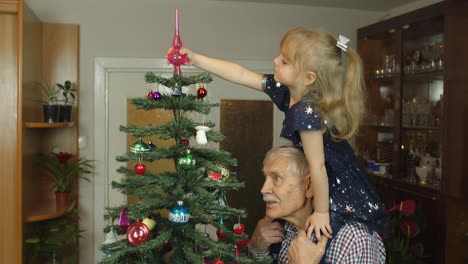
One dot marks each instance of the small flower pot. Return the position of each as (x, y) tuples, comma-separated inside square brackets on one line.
[(62, 198), (65, 113), (50, 113)]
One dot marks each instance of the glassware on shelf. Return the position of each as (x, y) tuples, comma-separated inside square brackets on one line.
[(438, 56), (388, 68)]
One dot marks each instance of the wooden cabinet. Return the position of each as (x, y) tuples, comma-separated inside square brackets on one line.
[(30, 51), (414, 141)]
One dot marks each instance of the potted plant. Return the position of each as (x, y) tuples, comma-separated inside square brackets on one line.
[(68, 91), (63, 168), (54, 241), (50, 108), (403, 244)]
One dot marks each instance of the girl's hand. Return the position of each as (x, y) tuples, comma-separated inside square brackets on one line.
[(182, 51), (320, 224)]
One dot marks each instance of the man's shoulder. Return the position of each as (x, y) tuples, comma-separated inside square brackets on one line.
[(356, 242)]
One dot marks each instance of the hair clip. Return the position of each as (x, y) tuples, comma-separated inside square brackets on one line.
[(341, 42)]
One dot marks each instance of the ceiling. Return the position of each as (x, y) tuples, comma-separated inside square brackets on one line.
[(370, 5)]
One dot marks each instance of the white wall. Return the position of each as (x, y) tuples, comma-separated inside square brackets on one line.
[(144, 28)]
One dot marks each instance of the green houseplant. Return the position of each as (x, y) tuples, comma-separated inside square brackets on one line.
[(403, 245), (53, 241), (63, 168), (68, 92), (50, 107)]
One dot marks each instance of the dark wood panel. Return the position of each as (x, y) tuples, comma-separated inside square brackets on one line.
[(248, 127)]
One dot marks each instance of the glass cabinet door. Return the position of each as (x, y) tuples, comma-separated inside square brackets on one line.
[(422, 99), (404, 72), (382, 68)]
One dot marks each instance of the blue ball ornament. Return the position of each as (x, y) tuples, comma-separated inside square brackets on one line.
[(179, 215)]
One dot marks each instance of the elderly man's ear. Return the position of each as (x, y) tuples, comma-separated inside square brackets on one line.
[(308, 184)]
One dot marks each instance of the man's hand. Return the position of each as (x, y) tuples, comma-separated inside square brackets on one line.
[(266, 233), (319, 222), (303, 251)]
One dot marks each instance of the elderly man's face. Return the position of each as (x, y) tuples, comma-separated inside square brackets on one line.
[(283, 192)]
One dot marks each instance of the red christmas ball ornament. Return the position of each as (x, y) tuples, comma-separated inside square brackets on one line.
[(218, 261), (201, 92), (137, 233), (220, 234), (140, 168), (184, 142), (238, 229), (242, 243), (167, 246), (150, 94)]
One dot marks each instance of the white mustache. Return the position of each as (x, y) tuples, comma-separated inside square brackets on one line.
[(270, 198)]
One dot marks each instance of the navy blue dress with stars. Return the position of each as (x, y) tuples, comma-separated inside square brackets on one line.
[(351, 196)]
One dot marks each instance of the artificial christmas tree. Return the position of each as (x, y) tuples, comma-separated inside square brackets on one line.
[(161, 226)]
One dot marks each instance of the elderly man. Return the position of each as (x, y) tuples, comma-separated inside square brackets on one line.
[(288, 194)]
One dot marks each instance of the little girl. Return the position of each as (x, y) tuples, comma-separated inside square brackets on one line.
[(318, 84)]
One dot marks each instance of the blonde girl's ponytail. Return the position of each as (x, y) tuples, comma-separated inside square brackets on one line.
[(354, 95)]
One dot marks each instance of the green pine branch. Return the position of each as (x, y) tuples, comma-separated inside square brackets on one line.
[(181, 81)]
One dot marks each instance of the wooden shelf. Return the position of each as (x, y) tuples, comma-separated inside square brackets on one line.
[(410, 187), (48, 125), (48, 210)]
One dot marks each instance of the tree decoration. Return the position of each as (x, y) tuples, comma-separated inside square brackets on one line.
[(174, 57), (179, 215), (220, 234), (156, 96), (201, 92), (124, 222), (242, 243), (187, 162), (140, 168), (184, 142), (150, 223), (204, 247), (167, 246), (215, 176), (139, 147), (238, 228), (151, 146), (237, 251), (111, 237), (150, 94), (201, 134), (222, 174), (177, 91), (137, 233)]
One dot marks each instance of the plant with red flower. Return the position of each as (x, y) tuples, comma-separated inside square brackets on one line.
[(63, 157), (407, 207), (63, 166), (407, 223), (411, 229)]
